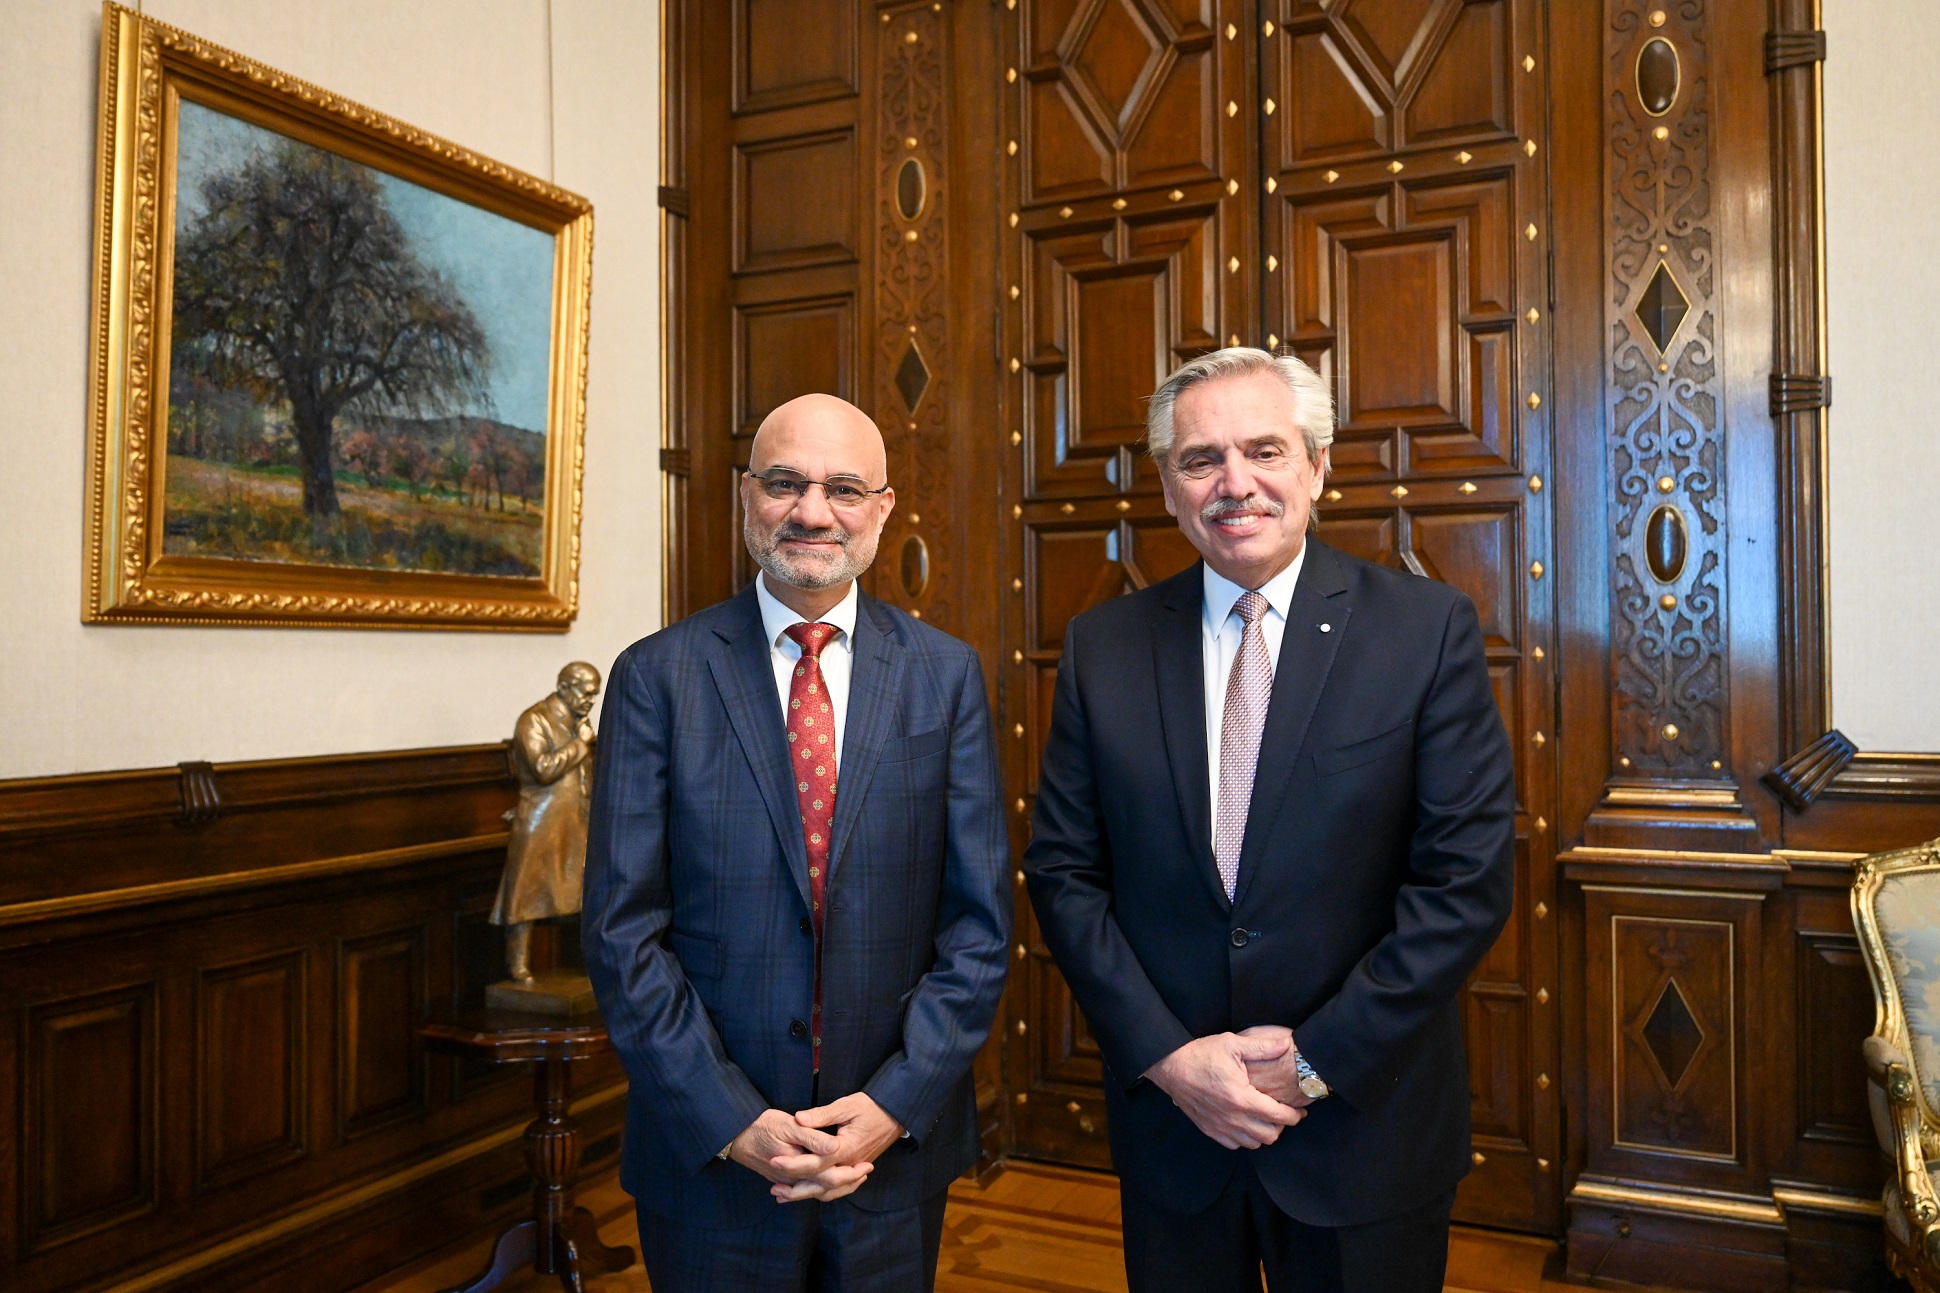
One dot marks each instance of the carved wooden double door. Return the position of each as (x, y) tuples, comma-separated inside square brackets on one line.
[(1102, 189), (1362, 183)]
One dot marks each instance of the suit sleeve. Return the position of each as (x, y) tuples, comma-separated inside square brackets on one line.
[(950, 1011), (1461, 881), (660, 1029), (1069, 869)]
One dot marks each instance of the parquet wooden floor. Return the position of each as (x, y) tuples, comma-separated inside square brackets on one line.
[(1044, 1229)]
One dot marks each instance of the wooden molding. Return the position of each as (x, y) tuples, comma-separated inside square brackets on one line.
[(81, 904), (201, 797), (1889, 776), (1800, 393), (1803, 777), (1671, 1201), (1833, 768), (1797, 383), (203, 791), (1789, 49)]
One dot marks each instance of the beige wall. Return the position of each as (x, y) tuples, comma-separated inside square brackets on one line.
[(567, 91), (1882, 116)]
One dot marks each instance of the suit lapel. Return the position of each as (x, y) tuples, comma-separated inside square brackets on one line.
[(745, 678), (875, 681), (1306, 657), (1178, 656)]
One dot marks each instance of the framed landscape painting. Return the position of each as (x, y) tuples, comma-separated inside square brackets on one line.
[(340, 364)]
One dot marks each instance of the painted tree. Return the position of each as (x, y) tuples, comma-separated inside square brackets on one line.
[(297, 283)]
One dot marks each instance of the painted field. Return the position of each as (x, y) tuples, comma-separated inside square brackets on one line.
[(217, 509)]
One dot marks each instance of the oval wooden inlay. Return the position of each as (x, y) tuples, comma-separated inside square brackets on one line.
[(1665, 543), (915, 566), (912, 188), (1658, 74)]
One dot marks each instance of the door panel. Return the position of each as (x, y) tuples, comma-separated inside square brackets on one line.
[(1406, 210), (1384, 240), (1113, 307), (1130, 183)]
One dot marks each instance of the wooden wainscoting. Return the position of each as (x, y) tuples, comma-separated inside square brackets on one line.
[(213, 977)]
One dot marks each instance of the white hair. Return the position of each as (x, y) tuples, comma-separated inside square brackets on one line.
[(1313, 403)]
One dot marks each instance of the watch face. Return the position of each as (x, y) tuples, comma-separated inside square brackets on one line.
[(1312, 1087)]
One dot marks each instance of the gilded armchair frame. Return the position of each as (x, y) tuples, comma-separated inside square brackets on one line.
[(1907, 1125)]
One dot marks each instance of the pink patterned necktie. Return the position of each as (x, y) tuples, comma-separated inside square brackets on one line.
[(811, 740), (1249, 688)]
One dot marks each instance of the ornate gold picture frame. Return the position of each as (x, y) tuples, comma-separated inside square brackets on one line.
[(339, 363)]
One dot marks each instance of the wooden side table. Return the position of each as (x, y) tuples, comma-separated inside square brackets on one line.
[(558, 1238)]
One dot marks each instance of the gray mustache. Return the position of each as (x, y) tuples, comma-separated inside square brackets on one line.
[(790, 530), (1220, 508)]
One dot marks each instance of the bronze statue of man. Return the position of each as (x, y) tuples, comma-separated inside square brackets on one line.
[(552, 755)]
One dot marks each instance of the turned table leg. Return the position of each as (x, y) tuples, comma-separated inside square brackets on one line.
[(552, 1155), (558, 1239)]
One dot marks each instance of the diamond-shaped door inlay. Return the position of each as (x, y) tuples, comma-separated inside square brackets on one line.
[(1116, 58), (1662, 307), (912, 376), (1672, 1033)]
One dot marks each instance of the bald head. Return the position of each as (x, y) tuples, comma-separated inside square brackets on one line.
[(579, 683), (823, 438), (815, 499)]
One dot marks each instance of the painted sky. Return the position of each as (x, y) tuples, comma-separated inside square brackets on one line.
[(502, 268)]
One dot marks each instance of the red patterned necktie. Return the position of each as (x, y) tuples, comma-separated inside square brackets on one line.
[(811, 742)]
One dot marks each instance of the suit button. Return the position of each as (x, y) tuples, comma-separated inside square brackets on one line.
[(1239, 938), (808, 926), (796, 1028)]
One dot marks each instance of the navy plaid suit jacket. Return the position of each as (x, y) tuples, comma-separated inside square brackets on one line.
[(695, 923)]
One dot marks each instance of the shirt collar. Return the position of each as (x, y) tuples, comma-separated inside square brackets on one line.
[(776, 617), (1222, 592)]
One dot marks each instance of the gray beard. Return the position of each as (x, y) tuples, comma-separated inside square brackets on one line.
[(858, 554)]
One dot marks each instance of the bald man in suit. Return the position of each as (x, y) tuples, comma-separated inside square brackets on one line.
[(796, 910)]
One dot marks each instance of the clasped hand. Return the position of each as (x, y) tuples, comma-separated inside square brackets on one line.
[(1241, 1089), (821, 1153)]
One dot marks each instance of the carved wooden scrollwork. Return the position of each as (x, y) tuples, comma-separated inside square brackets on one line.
[(912, 280), (1666, 443)]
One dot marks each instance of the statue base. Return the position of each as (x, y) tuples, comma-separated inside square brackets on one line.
[(553, 993)]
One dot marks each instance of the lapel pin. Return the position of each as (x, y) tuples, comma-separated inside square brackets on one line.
[(1327, 628)]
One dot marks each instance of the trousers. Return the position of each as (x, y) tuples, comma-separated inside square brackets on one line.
[(1244, 1235)]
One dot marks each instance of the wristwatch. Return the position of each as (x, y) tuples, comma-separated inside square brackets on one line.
[(1311, 1085)]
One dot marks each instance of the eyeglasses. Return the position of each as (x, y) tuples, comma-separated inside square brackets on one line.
[(839, 493)]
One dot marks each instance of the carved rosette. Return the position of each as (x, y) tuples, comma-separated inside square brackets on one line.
[(1666, 442), (911, 306)]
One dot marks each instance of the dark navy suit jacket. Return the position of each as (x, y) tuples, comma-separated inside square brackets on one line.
[(1377, 868), (696, 919)]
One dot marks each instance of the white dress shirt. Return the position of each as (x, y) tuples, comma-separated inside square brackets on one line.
[(1220, 633), (837, 658)]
